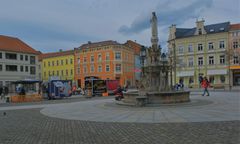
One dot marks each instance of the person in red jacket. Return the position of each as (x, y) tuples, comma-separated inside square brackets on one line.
[(205, 85)]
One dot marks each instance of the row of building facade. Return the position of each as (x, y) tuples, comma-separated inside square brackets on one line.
[(205, 50), (106, 60)]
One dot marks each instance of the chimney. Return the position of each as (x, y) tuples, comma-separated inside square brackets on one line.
[(172, 32)]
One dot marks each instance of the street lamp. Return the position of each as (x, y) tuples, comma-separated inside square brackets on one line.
[(142, 57)]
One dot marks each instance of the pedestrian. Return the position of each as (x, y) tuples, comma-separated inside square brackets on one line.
[(205, 84), (181, 84)]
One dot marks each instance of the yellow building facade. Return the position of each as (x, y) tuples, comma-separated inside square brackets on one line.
[(199, 51), (58, 64)]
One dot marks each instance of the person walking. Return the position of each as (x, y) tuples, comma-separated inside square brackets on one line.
[(205, 85)]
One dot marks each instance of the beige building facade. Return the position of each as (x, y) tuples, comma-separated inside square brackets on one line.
[(198, 52)]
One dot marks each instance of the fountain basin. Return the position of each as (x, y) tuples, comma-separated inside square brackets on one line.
[(167, 97)]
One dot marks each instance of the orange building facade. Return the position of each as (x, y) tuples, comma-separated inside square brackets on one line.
[(107, 60), (234, 53)]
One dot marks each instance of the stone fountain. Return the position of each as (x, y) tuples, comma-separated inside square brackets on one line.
[(154, 86)]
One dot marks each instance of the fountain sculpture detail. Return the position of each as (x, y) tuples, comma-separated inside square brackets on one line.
[(154, 84)]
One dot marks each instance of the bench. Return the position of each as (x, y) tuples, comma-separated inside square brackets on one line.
[(141, 100)]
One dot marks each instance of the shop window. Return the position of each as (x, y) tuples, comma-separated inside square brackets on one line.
[(222, 79), (211, 79)]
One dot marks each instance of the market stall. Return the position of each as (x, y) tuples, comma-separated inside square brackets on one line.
[(26, 91)]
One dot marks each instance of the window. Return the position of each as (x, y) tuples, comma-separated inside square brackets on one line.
[(200, 61), (32, 60), (61, 62), (99, 68), (44, 64), (222, 79), (26, 57), (0, 67), (180, 49), (62, 72), (78, 70), (11, 56), (26, 68), (221, 44), (222, 59), (210, 46), (71, 61), (107, 57), (92, 68), (53, 73), (235, 44), (118, 56), (71, 72), (190, 62), (99, 57), (52, 63), (211, 60), (107, 68), (211, 79), (66, 61), (32, 70), (190, 48), (78, 60), (92, 58), (66, 72), (21, 68), (85, 59), (48, 63), (85, 69), (118, 68), (199, 31), (0, 55), (200, 47), (12, 68), (235, 60), (49, 73), (191, 80), (57, 63), (21, 57)]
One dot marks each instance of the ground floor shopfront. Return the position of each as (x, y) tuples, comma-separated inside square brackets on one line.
[(217, 78), (235, 75)]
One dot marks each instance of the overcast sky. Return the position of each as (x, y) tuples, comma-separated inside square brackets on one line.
[(50, 25)]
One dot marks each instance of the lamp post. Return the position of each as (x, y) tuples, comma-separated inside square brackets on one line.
[(142, 57)]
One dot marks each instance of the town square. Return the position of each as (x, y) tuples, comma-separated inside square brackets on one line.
[(156, 73)]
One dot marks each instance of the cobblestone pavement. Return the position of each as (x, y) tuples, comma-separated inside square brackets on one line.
[(31, 127)]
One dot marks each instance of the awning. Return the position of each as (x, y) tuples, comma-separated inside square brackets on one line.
[(235, 67), (185, 73), (26, 81), (217, 72)]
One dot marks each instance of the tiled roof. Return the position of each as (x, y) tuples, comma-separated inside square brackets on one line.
[(55, 54), (135, 46), (214, 28), (235, 26), (15, 45), (98, 44)]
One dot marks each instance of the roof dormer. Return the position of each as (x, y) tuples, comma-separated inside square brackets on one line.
[(200, 27)]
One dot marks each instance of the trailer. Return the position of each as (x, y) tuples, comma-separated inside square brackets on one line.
[(59, 89)]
